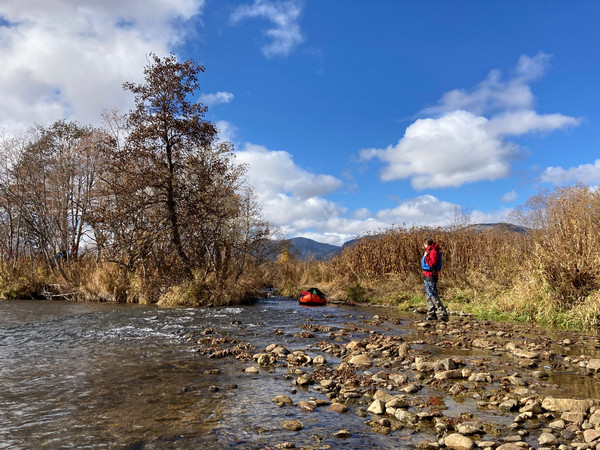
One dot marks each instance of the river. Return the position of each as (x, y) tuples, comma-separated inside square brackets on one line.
[(97, 375)]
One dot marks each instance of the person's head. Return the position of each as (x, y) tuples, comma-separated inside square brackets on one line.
[(427, 242)]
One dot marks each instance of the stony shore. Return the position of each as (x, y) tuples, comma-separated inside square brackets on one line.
[(396, 382)]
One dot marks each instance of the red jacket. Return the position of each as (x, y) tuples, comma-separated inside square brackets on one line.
[(432, 256)]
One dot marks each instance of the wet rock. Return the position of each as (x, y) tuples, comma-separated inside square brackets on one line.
[(411, 388), (304, 380), (398, 378), (509, 446), (265, 359), (214, 388), (338, 407), (539, 374), (457, 441), (251, 369), (282, 400), (566, 404), (319, 360), (342, 434), (532, 406), (306, 406), (327, 384), (292, 425), (516, 380), (285, 445), (397, 402), (448, 375), (509, 405), (481, 377), (547, 439), (469, 428), (427, 366), (383, 396), (360, 360), (377, 407), (457, 388)]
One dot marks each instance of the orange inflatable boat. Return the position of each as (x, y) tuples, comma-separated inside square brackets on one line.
[(312, 297)]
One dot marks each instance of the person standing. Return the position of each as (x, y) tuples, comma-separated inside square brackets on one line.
[(431, 263)]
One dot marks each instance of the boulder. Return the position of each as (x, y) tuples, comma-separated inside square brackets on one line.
[(566, 404), (591, 435), (360, 360), (547, 439), (377, 407), (283, 400), (457, 441), (338, 407)]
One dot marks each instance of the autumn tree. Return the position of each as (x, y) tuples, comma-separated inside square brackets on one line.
[(174, 199)]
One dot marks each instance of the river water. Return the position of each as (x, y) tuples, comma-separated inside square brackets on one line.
[(94, 375)]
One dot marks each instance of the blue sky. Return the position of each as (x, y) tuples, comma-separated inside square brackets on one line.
[(351, 116)]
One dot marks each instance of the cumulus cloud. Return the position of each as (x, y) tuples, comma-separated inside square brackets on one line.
[(216, 98), (284, 15), (465, 141), (294, 200), (69, 59), (509, 197), (584, 173)]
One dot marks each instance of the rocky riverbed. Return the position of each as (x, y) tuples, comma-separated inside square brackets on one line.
[(463, 384)]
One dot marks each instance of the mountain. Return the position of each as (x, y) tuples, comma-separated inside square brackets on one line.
[(308, 249)]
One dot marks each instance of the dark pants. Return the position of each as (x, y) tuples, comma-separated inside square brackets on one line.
[(435, 308)]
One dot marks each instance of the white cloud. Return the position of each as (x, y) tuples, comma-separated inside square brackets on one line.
[(293, 199), (509, 197), (69, 59), (216, 98), (461, 145), (284, 15), (584, 173), (450, 151)]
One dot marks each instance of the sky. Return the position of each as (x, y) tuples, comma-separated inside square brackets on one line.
[(351, 116)]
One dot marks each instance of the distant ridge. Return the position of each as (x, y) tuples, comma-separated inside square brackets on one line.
[(308, 249)]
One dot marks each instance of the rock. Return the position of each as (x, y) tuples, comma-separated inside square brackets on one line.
[(539, 374), (547, 439), (509, 405), (595, 418), (338, 407), (509, 446), (306, 406), (591, 435), (557, 424), (481, 377), (448, 364), (377, 407), (426, 366), (304, 380), (319, 360), (283, 400), (593, 366), (292, 425), (397, 402), (533, 407), (251, 369), (566, 404), (265, 359), (457, 389), (525, 354), (383, 396), (342, 434), (573, 416), (469, 428), (411, 388), (398, 378), (360, 360), (448, 374), (328, 384), (457, 441)]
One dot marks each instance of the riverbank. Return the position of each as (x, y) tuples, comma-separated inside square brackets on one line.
[(275, 374), (462, 384)]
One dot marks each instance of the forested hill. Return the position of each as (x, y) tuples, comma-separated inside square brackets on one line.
[(308, 249)]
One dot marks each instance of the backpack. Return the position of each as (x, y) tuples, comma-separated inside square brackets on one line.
[(437, 267)]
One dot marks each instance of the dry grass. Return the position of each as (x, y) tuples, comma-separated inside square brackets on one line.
[(550, 274)]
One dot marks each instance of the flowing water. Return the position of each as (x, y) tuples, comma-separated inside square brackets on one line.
[(87, 375)]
